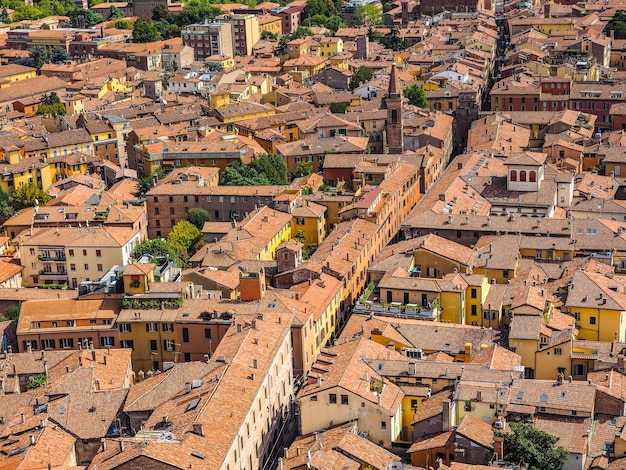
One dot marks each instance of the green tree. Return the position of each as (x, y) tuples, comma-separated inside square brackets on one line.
[(214, 67), (145, 31), (184, 237), (535, 447), (52, 98), (303, 169), (39, 56), (416, 96), (368, 15), (361, 75), (617, 24), (121, 24), (58, 55), (338, 108), (300, 236), (28, 195), (12, 312), (115, 13), (162, 13), (36, 381), (158, 248), (52, 110), (6, 209), (266, 170), (80, 18), (335, 22), (319, 7), (268, 35), (45, 26), (198, 216)]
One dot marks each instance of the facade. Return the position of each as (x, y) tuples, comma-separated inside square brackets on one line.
[(208, 39), (393, 102), (246, 31), (69, 256)]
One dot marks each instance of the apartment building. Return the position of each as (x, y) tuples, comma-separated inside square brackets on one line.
[(254, 366), (70, 255), (170, 200), (246, 32), (334, 396), (209, 39), (67, 324)]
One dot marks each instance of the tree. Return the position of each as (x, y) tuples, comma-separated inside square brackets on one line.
[(338, 108), (303, 169), (81, 18), (184, 237), (50, 99), (12, 312), (368, 15), (617, 24), (6, 210), (115, 13), (266, 170), (121, 24), (335, 22), (158, 248), (416, 96), (28, 195), (361, 75), (39, 55), (145, 31), (535, 447), (198, 217), (268, 35), (145, 183), (300, 236), (319, 7), (52, 110), (59, 55)]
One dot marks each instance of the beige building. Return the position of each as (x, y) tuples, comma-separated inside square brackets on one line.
[(344, 388), (70, 255), (245, 31)]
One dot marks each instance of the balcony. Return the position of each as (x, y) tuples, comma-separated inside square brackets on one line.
[(51, 257), (396, 309), (53, 274)]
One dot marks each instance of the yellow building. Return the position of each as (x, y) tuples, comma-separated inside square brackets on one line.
[(271, 24), (137, 277), (151, 335), (9, 74), (330, 46), (310, 218), (598, 304)]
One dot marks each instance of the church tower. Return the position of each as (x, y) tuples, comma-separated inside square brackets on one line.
[(393, 103)]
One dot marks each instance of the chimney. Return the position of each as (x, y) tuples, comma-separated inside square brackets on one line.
[(498, 447), (445, 416), (198, 429), (32, 439), (93, 353)]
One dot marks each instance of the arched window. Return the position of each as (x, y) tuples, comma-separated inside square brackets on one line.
[(532, 176), (513, 175), (394, 116), (522, 175)]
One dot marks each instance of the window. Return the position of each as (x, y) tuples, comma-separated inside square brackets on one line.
[(344, 399), (383, 425), (151, 327), (99, 266), (106, 321), (168, 327), (71, 252), (532, 176), (67, 343), (84, 252), (153, 345), (86, 267), (314, 398), (522, 175), (99, 253), (474, 293), (592, 320), (47, 344), (505, 273), (185, 335), (577, 316), (54, 324), (72, 267), (70, 323), (168, 344), (513, 175), (107, 341), (332, 397), (474, 310), (558, 351), (207, 333), (299, 220), (125, 327)]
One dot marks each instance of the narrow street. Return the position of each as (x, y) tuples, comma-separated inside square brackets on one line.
[(502, 45)]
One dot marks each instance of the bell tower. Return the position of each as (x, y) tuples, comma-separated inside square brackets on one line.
[(393, 103)]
